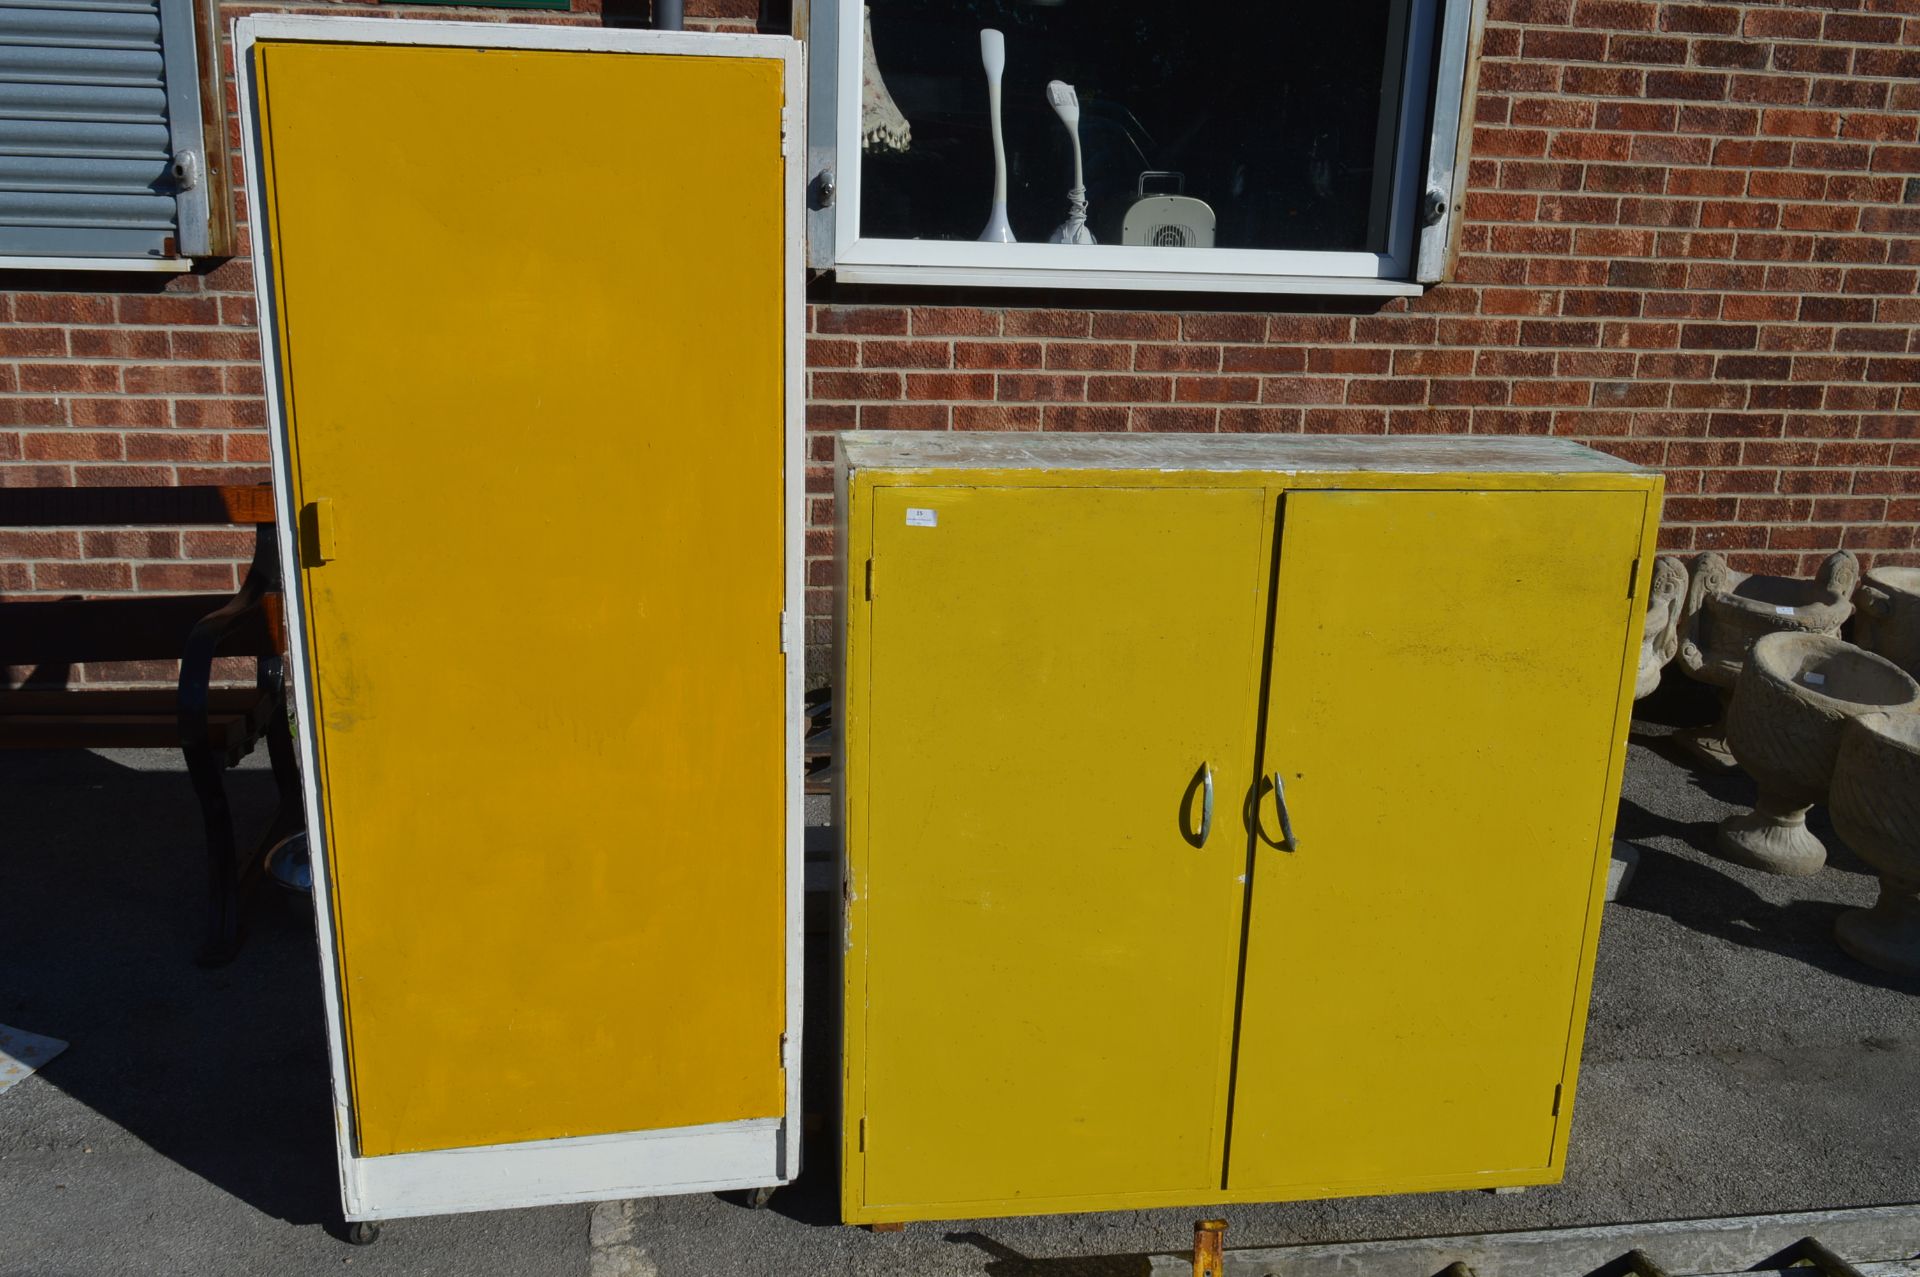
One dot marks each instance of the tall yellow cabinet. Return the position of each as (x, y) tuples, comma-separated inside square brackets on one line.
[(1225, 819), (532, 302)]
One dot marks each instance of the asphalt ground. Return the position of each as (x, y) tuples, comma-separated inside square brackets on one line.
[(1737, 1062)]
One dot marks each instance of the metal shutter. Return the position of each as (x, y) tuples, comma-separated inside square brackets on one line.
[(100, 137)]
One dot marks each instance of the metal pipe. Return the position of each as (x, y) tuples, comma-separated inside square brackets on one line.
[(669, 15), (1209, 1243)]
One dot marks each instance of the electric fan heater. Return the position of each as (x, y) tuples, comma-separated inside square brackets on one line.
[(1167, 221)]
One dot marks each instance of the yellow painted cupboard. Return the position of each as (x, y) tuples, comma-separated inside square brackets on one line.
[(1225, 819), (536, 447)]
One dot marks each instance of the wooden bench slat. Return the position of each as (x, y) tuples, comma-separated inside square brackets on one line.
[(202, 505), (51, 718), (121, 702), (223, 734), (34, 632)]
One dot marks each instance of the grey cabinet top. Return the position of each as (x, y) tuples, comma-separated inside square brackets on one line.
[(1393, 454)]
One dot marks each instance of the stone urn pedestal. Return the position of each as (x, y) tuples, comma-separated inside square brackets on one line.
[(1875, 801), (1886, 615), (1726, 612), (1793, 698)]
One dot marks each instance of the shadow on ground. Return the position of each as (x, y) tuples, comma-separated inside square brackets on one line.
[(100, 912), (1005, 1261), (1711, 901)]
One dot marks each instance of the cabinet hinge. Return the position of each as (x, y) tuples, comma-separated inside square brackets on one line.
[(1556, 1101), (1633, 577), (863, 1135), (869, 580)]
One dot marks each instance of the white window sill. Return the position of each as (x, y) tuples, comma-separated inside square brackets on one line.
[(1135, 280), (169, 265), (1123, 267)]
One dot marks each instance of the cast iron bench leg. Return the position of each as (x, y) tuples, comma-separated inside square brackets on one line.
[(223, 880)]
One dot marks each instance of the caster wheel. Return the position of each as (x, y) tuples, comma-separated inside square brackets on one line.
[(363, 1233), (759, 1197)]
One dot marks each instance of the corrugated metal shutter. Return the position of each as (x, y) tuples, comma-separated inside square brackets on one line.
[(98, 99)]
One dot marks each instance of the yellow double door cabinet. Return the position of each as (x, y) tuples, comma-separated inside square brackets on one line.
[(1225, 819)]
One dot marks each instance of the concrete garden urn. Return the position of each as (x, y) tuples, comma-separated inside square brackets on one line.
[(1886, 615), (1726, 611), (1660, 632), (1659, 640), (1795, 694), (1875, 800)]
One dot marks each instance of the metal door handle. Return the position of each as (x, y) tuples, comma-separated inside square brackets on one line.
[(1206, 802), (1287, 841)]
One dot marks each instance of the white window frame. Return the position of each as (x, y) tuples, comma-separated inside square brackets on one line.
[(1421, 225)]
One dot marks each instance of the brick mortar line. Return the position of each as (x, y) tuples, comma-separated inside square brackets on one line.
[(1574, 27), (1900, 175), (1769, 72), (1796, 325), (1757, 105), (1477, 254), (143, 563), (1471, 374), (1776, 326), (1887, 464), (1335, 374), (1547, 192)]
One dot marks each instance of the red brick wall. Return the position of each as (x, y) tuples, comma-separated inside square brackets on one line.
[(1692, 238)]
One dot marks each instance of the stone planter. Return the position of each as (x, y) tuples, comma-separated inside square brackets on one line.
[(1886, 615), (1659, 640), (1660, 632), (1727, 611), (1794, 696), (1876, 807)]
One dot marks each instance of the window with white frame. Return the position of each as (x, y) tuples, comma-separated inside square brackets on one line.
[(1188, 144)]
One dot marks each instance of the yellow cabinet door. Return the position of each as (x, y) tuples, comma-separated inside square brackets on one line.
[(1446, 702), (1041, 945), (531, 324)]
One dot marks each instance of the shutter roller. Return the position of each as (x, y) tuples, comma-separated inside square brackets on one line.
[(100, 135)]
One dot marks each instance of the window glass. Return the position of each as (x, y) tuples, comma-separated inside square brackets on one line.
[(1201, 122)]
